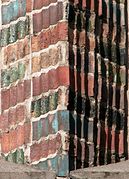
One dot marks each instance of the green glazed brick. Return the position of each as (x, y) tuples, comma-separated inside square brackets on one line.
[(11, 157), (53, 101), (13, 74), (5, 78), (21, 70), (20, 156), (27, 24), (42, 165), (44, 104), (12, 33), (4, 37), (21, 29), (37, 108), (39, 131)]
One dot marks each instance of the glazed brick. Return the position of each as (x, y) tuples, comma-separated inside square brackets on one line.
[(54, 163), (7, 37), (52, 80), (13, 10), (79, 83), (36, 86), (27, 89), (36, 66), (28, 5), (51, 124), (11, 141), (17, 156), (12, 117), (5, 99), (20, 113), (44, 104), (20, 93), (50, 36), (4, 121), (47, 58), (13, 96), (47, 17), (38, 4), (44, 82), (13, 74), (16, 51), (10, 54), (45, 147), (63, 73)]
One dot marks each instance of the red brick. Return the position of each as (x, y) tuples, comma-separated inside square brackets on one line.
[(36, 64), (63, 73), (27, 89), (40, 150), (5, 99), (35, 42), (90, 85), (45, 39), (28, 5), (53, 11), (50, 36), (37, 22), (13, 139), (13, 96), (46, 18), (54, 56), (4, 121), (63, 31), (45, 60), (27, 131), (54, 144), (44, 82), (36, 86), (39, 3), (20, 113), (53, 79), (20, 136), (10, 54), (20, 92), (23, 48), (5, 143), (45, 147), (12, 116)]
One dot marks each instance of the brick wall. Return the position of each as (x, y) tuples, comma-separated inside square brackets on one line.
[(34, 83), (47, 46), (98, 100)]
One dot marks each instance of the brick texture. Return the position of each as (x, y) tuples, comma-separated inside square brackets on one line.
[(34, 82), (63, 70)]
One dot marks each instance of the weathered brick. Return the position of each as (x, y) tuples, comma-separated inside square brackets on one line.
[(36, 86), (5, 99), (45, 147), (20, 92), (13, 96), (12, 117), (4, 121), (27, 89), (36, 64), (20, 113)]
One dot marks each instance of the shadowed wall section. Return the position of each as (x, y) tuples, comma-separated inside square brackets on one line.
[(98, 60)]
